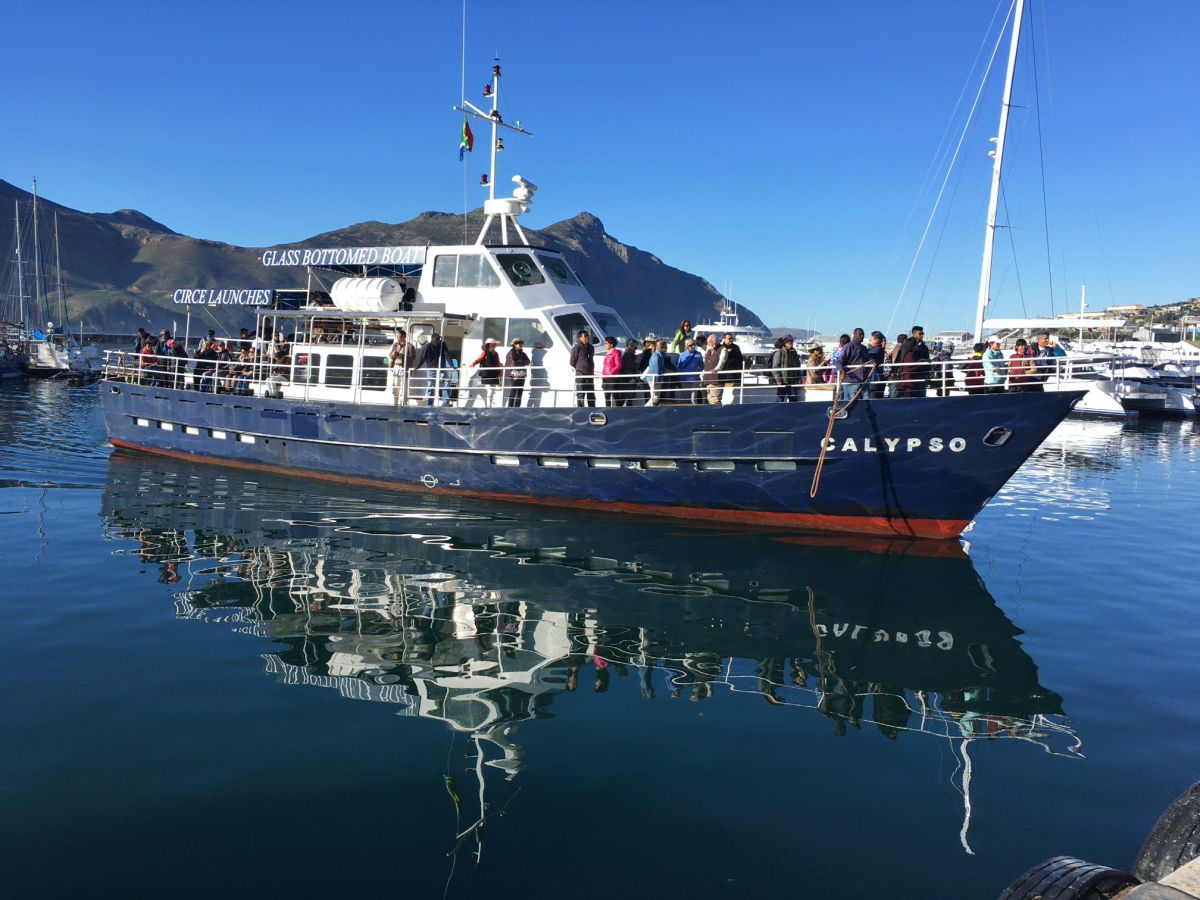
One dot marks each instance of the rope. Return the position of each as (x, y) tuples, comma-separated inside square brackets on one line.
[(833, 415)]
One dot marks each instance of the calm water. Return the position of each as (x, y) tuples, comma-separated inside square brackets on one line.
[(223, 684)]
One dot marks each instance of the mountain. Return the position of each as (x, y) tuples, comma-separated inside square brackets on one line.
[(121, 268)]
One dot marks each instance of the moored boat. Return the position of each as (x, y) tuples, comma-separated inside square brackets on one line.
[(332, 392)]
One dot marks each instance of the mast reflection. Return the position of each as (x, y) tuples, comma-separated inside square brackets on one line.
[(485, 616)]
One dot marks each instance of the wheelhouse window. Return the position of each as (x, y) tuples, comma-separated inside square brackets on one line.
[(557, 269), (374, 373), (520, 269), (464, 270), (338, 369)]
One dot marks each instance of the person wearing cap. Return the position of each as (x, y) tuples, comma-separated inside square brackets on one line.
[(433, 371), (583, 361), (995, 369), (516, 370), (487, 373), (690, 364), (785, 370)]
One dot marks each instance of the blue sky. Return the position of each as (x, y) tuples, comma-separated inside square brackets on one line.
[(789, 150)]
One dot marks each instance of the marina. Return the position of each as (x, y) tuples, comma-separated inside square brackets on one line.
[(346, 555)]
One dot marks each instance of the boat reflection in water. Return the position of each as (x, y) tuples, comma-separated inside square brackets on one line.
[(484, 616)]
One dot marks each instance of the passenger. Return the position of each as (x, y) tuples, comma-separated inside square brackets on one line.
[(876, 357), (245, 370), (224, 374), (614, 394), (179, 358), (432, 372), (913, 363), (835, 357), (785, 369), (655, 372), (242, 341), (729, 369), (771, 363), (892, 374), (487, 372), (854, 367), (974, 370), (402, 358), (630, 383), (1022, 368), (682, 336), (690, 365), (711, 379), (644, 361), (147, 363), (583, 361), (206, 356), (994, 368), (816, 359), (1046, 354), (941, 376), (516, 370), (139, 340), (281, 354)]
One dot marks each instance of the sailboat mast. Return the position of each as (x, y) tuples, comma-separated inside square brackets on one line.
[(37, 259), (20, 267), (62, 290), (989, 240)]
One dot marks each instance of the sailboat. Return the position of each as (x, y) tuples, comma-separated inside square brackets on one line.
[(44, 350)]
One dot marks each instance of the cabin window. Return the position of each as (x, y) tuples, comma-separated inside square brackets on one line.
[(570, 324), (612, 325), (532, 331), (557, 269), (374, 373), (464, 270), (338, 369), (520, 269), (305, 368)]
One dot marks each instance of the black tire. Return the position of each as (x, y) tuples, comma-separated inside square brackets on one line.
[(1174, 840), (1068, 878)]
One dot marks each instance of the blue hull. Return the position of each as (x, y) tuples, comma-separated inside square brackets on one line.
[(917, 467)]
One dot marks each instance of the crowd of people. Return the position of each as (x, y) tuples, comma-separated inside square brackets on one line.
[(218, 366), (689, 369)]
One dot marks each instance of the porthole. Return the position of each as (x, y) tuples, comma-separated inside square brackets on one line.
[(191, 429), (143, 423), (998, 436), (659, 464), (553, 462), (600, 463), (216, 433), (506, 460), (716, 465), (598, 418), (166, 426)]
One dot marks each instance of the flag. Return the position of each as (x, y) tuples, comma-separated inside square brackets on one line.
[(467, 144)]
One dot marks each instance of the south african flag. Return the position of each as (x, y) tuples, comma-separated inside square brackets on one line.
[(467, 143)]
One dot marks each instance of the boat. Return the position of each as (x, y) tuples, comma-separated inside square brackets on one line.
[(755, 341), (43, 350), (323, 400)]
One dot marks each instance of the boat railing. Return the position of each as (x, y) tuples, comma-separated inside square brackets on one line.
[(546, 386)]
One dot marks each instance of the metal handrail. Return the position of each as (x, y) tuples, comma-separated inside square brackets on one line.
[(462, 386)]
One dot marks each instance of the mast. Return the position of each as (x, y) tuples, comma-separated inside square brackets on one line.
[(62, 290), (20, 269), (985, 275), (506, 208), (38, 286)]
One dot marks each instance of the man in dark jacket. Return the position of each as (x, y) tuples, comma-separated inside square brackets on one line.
[(432, 371), (729, 369), (583, 361), (712, 359), (785, 370), (853, 366), (913, 373)]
